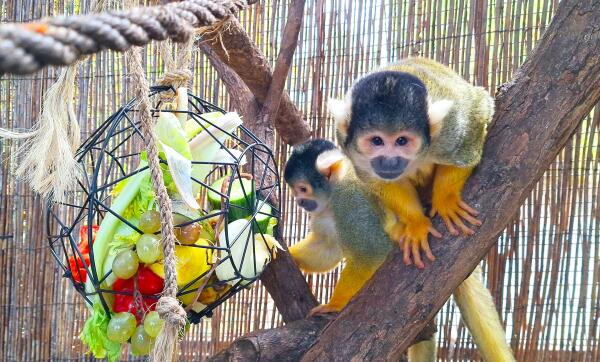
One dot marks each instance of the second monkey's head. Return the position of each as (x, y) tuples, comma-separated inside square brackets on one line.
[(310, 171), (386, 122)]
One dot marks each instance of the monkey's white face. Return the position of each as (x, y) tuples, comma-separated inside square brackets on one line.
[(307, 199), (386, 156)]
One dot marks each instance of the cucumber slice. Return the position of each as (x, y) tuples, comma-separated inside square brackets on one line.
[(242, 194), (263, 216)]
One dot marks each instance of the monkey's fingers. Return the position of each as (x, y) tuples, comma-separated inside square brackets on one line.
[(434, 232), (456, 220), (416, 250), (449, 224), (468, 208), (405, 245), (427, 250), (472, 220)]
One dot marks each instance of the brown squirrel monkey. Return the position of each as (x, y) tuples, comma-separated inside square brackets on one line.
[(415, 124), (347, 222)]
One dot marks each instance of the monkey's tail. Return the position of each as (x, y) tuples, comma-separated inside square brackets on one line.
[(481, 317), (425, 351)]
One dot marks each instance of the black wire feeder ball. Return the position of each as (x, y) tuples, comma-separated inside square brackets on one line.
[(222, 243)]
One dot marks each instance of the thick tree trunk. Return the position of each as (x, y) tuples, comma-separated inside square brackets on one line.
[(536, 114)]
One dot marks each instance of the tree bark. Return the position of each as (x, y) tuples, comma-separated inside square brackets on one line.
[(287, 343), (289, 42), (536, 114), (235, 48)]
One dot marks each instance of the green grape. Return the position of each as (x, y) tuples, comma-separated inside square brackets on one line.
[(148, 248), (189, 234), (125, 264), (120, 327), (150, 222), (141, 342), (153, 324)]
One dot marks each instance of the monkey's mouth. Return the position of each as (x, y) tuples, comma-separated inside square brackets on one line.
[(388, 175)]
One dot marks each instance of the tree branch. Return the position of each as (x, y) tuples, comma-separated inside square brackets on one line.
[(536, 114), (234, 47), (287, 343), (289, 43), (282, 278)]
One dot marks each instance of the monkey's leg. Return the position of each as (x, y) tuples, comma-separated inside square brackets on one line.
[(352, 278), (481, 318), (413, 227), (424, 351), (446, 200), (316, 255)]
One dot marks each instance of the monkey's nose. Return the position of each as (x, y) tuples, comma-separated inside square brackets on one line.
[(388, 167), (308, 205)]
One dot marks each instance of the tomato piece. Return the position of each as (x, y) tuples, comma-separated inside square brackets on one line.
[(148, 282)]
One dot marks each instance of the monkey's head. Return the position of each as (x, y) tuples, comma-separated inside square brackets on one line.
[(386, 123), (310, 171)]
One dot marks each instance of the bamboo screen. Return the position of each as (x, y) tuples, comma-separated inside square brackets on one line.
[(544, 273)]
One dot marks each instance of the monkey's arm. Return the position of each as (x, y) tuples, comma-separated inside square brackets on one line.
[(316, 253), (413, 227), (352, 278), (446, 200)]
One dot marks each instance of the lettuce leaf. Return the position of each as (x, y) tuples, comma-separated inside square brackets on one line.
[(142, 202), (94, 335)]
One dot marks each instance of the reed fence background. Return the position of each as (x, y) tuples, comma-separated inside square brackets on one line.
[(544, 273)]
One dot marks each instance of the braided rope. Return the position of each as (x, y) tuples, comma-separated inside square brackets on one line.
[(26, 48), (168, 306)]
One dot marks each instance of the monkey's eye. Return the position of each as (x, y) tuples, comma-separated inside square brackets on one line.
[(377, 141), (401, 141)]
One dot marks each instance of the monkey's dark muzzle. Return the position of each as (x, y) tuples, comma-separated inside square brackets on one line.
[(388, 167), (308, 205)]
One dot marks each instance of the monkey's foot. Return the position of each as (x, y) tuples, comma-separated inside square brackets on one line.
[(323, 309), (414, 238), (453, 210)]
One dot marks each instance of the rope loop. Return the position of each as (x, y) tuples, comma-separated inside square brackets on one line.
[(171, 311)]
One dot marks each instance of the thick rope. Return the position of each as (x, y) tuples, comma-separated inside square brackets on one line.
[(46, 158), (26, 48), (168, 306)]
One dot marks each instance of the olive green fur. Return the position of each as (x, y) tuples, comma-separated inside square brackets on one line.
[(358, 219), (467, 119)]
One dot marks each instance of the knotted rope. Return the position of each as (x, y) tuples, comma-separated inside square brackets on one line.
[(26, 48), (168, 306)]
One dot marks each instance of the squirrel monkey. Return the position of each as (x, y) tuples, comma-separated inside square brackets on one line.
[(415, 124), (347, 222), (317, 175)]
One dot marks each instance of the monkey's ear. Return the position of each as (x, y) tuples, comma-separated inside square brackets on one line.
[(332, 165), (340, 110), (437, 111)]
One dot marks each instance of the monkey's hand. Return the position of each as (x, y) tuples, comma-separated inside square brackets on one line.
[(453, 210), (447, 202), (324, 309), (413, 237)]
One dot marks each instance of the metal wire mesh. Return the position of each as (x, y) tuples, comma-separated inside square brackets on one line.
[(108, 159)]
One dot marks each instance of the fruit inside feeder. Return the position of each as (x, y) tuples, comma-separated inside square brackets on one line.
[(127, 244)]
